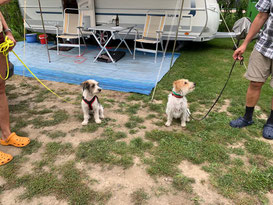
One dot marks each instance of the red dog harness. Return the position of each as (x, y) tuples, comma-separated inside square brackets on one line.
[(90, 103)]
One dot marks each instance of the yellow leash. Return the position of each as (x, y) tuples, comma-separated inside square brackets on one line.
[(4, 49)]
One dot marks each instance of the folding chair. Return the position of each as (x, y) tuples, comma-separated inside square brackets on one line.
[(152, 33), (72, 30)]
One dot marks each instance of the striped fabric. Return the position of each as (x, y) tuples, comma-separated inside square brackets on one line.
[(152, 25), (265, 43)]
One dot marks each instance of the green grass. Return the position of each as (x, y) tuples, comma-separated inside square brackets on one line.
[(105, 151), (32, 147), (238, 162), (134, 122), (70, 186), (57, 117), (181, 182), (53, 149), (258, 147), (56, 134), (139, 197), (93, 127)]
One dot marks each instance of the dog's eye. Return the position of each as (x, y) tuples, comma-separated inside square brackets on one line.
[(93, 85), (185, 83)]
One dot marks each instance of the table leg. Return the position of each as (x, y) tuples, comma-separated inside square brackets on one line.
[(122, 40), (103, 48)]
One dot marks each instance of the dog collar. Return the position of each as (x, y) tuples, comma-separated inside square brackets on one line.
[(89, 103), (176, 95)]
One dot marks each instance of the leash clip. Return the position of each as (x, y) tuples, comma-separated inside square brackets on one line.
[(242, 61)]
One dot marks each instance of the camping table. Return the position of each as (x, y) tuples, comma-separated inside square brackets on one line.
[(114, 30)]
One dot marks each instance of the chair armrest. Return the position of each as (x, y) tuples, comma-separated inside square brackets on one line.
[(80, 27), (57, 29), (159, 31), (136, 33)]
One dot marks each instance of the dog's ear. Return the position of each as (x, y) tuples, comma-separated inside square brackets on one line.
[(85, 85), (176, 85)]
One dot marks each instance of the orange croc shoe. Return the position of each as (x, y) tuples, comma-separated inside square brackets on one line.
[(15, 140), (5, 158)]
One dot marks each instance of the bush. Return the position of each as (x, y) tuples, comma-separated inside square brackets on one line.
[(232, 10), (13, 17)]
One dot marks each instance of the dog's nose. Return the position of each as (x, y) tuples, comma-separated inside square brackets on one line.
[(194, 84), (99, 89)]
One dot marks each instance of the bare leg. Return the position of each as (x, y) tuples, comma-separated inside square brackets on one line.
[(253, 93), (4, 110)]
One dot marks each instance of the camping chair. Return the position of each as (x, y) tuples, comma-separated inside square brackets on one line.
[(152, 33), (72, 30)]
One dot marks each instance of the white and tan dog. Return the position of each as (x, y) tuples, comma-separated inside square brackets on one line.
[(90, 102), (177, 106)]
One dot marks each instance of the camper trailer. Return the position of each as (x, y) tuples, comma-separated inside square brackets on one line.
[(199, 20)]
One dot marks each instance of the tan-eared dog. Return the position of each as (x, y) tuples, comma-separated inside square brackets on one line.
[(177, 106)]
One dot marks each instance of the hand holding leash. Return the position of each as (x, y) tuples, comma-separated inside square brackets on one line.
[(5, 47), (10, 37), (237, 55)]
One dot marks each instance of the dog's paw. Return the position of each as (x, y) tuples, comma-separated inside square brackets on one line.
[(84, 122), (102, 116), (183, 124), (98, 121), (188, 119), (167, 124)]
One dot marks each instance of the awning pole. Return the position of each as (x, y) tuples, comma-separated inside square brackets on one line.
[(166, 47), (176, 35), (44, 31), (25, 10)]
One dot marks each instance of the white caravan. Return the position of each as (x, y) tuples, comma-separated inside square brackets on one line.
[(199, 22)]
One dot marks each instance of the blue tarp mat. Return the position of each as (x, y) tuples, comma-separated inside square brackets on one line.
[(127, 75)]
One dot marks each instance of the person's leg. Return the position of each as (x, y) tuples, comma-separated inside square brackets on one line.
[(268, 127), (259, 69), (253, 93), (4, 110), (252, 97), (8, 138), (270, 118)]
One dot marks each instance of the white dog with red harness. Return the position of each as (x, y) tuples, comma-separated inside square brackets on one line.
[(90, 102)]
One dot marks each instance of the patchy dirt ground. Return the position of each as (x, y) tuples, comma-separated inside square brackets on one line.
[(120, 182)]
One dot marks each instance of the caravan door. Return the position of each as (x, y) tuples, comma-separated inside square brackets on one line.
[(87, 7)]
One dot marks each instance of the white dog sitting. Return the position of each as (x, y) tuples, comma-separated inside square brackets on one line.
[(90, 102), (177, 106)]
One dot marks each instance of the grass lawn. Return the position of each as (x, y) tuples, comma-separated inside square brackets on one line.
[(132, 158)]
